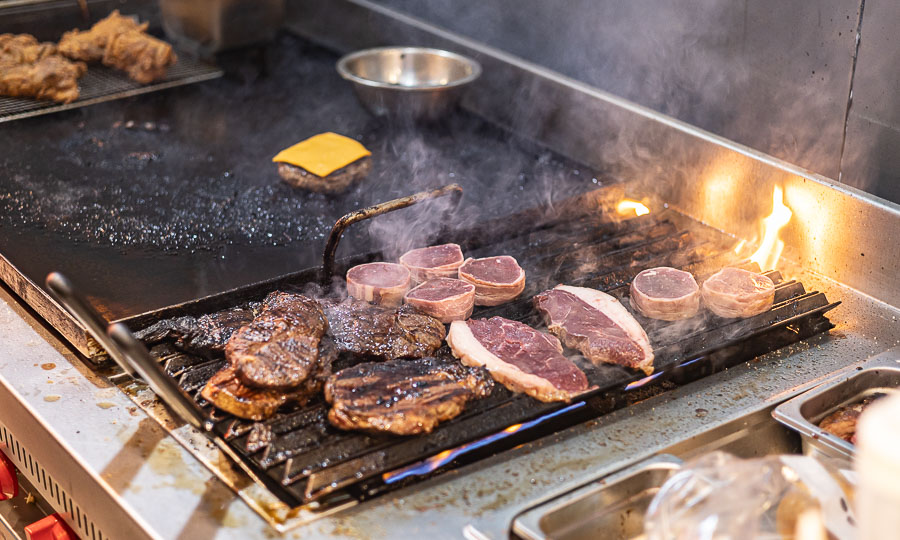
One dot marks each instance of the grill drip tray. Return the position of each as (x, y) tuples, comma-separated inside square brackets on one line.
[(309, 463), (101, 83)]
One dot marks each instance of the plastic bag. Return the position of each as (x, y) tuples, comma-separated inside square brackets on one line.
[(719, 496)]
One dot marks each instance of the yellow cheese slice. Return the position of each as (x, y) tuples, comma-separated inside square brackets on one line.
[(323, 154)]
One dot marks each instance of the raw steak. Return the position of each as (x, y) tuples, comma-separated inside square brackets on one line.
[(383, 333), (433, 262), (596, 324), (445, 299), (280, 347), (734, 293), (665, 293), (380, 283), (518, 357), (497, 280), (404, 397)]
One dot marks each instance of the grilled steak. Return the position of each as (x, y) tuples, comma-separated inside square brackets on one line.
[(497, 280), (665, 293), (380, 283), (596, 324), (204, 335), (280, 347), (226, 391), (733, 293), (433, 262), (518, 357), (404, 397), (445, 299), (383, 333)]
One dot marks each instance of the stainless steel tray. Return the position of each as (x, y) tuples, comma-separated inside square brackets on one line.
[(804, 412), (612, 507)]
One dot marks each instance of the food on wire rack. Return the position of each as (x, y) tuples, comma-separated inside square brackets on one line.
[(32, 69)]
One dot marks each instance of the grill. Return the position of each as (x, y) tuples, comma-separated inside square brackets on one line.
[(303, 459), (101, 84)]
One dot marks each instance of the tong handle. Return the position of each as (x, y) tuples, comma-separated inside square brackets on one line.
[(365, 213), (61, 289), (160, 381)]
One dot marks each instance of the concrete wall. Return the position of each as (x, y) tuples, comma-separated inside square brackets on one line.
[(770, 74)]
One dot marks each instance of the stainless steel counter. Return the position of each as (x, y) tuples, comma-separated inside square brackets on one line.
[(130, 478)]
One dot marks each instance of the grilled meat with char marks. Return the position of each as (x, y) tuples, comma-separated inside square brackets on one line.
[(206, 335), (226, 391), (280, 347), (383, 333), (404, 397)]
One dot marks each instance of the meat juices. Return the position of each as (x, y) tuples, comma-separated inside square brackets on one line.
[(733, 293), (404, 397), (497, 280), (665, 293), (433, 262), (596, 324), (445, 299), (280, 347), (518, 357), (380, 283)]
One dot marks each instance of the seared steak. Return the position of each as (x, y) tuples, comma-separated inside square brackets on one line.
[(734, 292), (433, 262), (280, 347), (381, 283), (518, 357), (445, 299), (404, 397), (203, 335), (497, 280), (383, 333), (226, 391), (596, 324), (665, 293)]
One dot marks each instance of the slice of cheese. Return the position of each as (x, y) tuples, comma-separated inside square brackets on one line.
[(323, 154)]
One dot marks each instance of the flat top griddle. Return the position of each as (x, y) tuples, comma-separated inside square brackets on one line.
[(163, 198)]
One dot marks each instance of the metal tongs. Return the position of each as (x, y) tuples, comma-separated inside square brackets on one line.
[(129, 353)]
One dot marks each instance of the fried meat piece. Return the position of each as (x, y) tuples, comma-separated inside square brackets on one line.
[(120, 42), (23, 49), (52, 77)]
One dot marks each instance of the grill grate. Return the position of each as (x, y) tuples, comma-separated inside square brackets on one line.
[(101, 83), (309, 460)]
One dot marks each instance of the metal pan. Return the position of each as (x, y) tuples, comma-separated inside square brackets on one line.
[(804, 412), (611, 507)]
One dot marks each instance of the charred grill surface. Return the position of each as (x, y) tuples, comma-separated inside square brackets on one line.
[(280, 347), (404, 397), (376, 332), (307, 458)]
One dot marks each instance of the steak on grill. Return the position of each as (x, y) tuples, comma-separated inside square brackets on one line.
[(433, 262), (226, 391), (518, 357), (404, 397), (382, 333), (734, 292), (497, 280), (665, 293), (280, 347), (204, 335), (380, 283), (596, 324), (445, 299)]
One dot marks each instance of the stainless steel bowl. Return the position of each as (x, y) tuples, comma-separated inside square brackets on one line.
[(408, 82)]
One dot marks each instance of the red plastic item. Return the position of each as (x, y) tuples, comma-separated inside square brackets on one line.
[(51, 527), (9, 484)]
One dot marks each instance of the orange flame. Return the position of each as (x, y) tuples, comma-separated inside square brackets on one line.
[(770, 249), (627, 206)]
